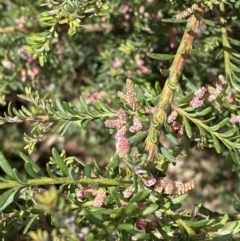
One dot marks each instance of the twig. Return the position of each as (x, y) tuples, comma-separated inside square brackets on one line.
[(167, 94)]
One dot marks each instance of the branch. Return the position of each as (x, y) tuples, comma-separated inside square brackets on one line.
[(97, 27), (102, 182), (166, 97)]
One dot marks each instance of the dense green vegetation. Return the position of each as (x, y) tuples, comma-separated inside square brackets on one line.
[(100, 100)]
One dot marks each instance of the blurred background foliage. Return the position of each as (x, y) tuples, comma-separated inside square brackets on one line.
[(95, 62)]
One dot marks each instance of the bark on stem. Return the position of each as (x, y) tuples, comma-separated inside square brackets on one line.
[(175, 71)]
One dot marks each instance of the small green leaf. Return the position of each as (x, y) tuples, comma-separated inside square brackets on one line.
[(138, 137), (173, 20), (59, 162), (34, 166), (196, 224), (206, 121), (113, 167), (18, 177), (9, 197), (234, 41), (125, 226), (65, 127), (28, 48), (205, 111), (5, 166), (216, 144), (209, 22), (59, 106), (27, 112), (85, 123), (188, 128), (148, 210), (213, 128), (50, 173), (230, 132), (161, 56), (115, 102), (68, 108), (234, 59), (115, 197), (234, 68), (29, 223), (131, 207), (41, 60), (167, 154), (94, 218), (223, 122), (72, 174), (179, 199), (83, 104), (29, 170), (139, 235), (140, 196), (87, 170), (172, 139), (185, 99), (58, 124), (140, 94), (222, 237), (189, 109), (104, 106)]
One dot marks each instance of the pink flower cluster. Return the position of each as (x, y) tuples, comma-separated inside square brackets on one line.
[(150, 222), (20, 21), (176, 127), (235, 119), (99, 195), (122, 143), (215, 91), (93, 97), (211, 93), (33, 69), (137, 125), (197, 101), (229, 99), (142, 68), (172, 117)]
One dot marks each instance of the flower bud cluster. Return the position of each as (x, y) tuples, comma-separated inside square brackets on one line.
[(131, 96), (235, 119), (176, 127), (172, 117), (99, 198), (211, 93), (175, 189), (197, 101), (137, 125), (99, 195), (81, 193), (229, 99), (150, 222), (122, 143), (214, 92)]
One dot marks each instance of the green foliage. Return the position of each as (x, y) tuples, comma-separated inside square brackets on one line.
[(125, 68)]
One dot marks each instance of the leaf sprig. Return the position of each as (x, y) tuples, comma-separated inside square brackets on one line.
[(71, 13), (45, 115)]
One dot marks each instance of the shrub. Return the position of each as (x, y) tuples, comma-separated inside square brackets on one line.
[(88, 72)]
